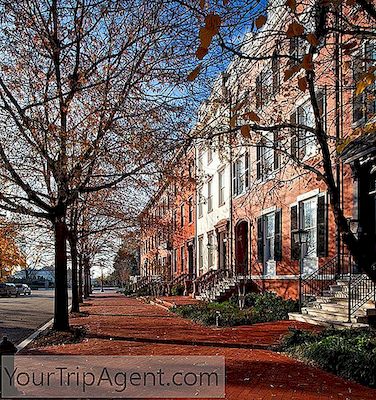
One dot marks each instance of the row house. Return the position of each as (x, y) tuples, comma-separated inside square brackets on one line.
[(251, 194)]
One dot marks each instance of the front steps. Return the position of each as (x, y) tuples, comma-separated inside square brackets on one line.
[(221, 290), (331, 309)]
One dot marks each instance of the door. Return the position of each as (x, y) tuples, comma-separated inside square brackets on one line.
[(308, 222), (222, 250), (190, 259), (241, 248)]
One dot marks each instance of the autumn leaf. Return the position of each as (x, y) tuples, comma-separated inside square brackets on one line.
[(252, 116), (233, 121), (194, 74), (260, 21), (245, 130), (294, 29), (291, 4), (206, 37), (342, 144), (201, 52), (307, 63), (303, 84), (312, 40), (213, 23), (366, 80), (239, 106), (225, 2), (202, 4), (290, 72)]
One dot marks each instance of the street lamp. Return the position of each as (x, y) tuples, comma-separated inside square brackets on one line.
[(102, 279), (300, 237)]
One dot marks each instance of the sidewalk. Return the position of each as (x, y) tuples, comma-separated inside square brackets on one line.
[(121, 326)]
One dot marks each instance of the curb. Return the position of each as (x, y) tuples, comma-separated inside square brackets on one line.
[(35, 334)]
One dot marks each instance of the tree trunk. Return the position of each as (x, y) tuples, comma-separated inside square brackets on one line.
[(86, 277), (61, 321), (74, 256), (80, 281)]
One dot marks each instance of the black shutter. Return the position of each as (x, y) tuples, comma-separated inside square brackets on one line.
[(278, 236), (321, 98), (301, 133), (293, 134), (276, 152), (258, 160), (260, 239), (322, 227), (294, 228)]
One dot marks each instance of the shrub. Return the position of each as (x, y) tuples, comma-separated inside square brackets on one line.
[(177, 290), (349, 353), (259, 308)]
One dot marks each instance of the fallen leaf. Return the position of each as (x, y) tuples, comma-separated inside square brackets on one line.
[(290, 72), (291, 4), (202, 4), (260, 21), (201, 52), (303, 84), (194, 74), (245, 130), (252, 116), (225, 2), (312, 40), (213, 23), (294, 29)]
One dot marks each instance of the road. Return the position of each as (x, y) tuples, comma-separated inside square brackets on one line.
[(19, 317)]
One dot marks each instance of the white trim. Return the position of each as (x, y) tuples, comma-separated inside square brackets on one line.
[(307, 195), (275, 277), (269, 210)]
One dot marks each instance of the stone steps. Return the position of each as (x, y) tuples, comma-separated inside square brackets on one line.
[(327, 323)]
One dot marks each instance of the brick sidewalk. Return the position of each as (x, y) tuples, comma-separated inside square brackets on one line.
[(121, 326)]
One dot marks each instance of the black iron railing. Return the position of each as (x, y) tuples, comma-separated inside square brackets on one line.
[(207, 281), (316, 283), (361, 290)]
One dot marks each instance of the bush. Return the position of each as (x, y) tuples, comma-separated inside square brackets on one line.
[(177, 290), (259, 308), (349, 353)]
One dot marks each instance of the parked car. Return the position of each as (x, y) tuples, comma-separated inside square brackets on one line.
[(8, 289), (23, 289)]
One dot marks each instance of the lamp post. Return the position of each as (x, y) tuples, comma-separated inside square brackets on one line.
[(301, 237), (102, 279)]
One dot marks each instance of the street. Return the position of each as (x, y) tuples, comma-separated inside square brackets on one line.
[(19, 317)]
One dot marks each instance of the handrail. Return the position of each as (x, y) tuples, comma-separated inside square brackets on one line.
[(361, 290), (208, 280), (317, 282)]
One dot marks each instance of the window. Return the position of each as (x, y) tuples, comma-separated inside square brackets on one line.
[(174, 224), (221, 187), (269, 238), (303, 142), (200, 202), (297, 49), (200, 254), (210, 195), (264, 85), (210, 154), (364, 104), (311, 216), (182, 215), (190, 210), (240, 174), (200, 163), (210, 250), (182, 259), (174, 260), (275, 74), (267, 156)]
